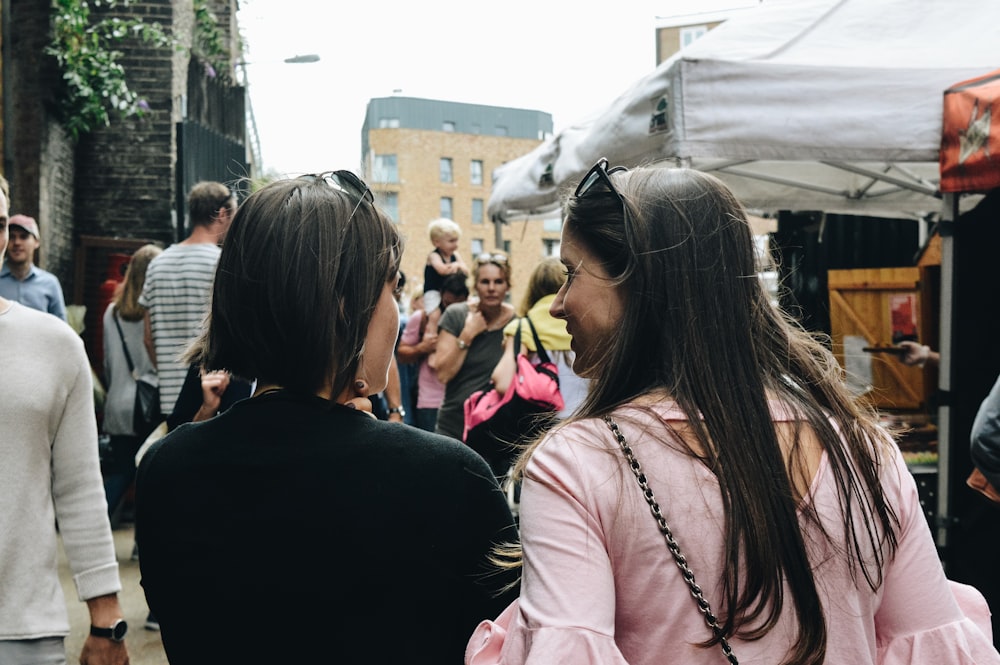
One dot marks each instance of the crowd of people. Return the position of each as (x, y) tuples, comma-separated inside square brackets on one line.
[(711, 484)]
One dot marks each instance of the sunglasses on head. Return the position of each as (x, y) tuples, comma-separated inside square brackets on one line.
[(486, 257), (348, 183), (600, 173)]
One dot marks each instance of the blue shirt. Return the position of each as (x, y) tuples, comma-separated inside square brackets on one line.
[(40, 290)]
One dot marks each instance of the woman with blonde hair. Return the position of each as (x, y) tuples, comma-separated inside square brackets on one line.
[(470, 340), (123, 332), (545, 281)]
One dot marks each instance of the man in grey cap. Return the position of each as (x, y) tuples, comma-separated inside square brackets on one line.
[(20, 279)]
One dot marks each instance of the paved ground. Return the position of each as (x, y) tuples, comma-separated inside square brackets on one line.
[(144, 646)]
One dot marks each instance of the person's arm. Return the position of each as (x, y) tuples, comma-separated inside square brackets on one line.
[(436, 262), (394, 392), (450, 354), (985, 438), (147, 337), (57, 304), (80, 508), (504, 371), (564, 542), (411, 347), (458, 265), (104, 612), (918, 354), (918, 609)]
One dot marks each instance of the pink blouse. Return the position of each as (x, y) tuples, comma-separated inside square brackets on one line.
[(600, 586)]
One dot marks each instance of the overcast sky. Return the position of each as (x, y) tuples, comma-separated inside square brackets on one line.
[(570, 60)]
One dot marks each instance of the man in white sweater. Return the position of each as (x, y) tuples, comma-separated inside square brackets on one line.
[(49, 475)]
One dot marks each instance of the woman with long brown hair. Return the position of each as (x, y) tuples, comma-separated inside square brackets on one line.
[(785, 527), (123, 330)]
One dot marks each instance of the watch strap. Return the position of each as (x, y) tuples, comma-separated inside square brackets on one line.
[(116, 632)]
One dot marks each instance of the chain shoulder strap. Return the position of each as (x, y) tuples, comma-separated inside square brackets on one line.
[(675, 550)]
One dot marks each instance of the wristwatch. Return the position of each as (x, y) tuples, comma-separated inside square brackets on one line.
[(115, 633), (461, 345), (398, 409)]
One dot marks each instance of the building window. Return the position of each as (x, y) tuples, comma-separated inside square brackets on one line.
[(384, 169), (445, 169), (476, 172), (388, 123), (477, 247), (501, 130), (553, 224), (691, 33), (550, 247), (506, 247), (446, 207), (448, 126), (389, 203), (477, 211)]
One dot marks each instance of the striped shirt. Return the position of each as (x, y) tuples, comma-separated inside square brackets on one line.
[(177, 293)]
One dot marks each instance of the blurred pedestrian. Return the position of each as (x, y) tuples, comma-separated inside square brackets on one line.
[(417, 347), (178, 284), (124, 326), (543, 285), (20, 279), (50, 488), (470, 340)]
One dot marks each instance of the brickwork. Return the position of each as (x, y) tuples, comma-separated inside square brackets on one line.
[(418, 154), (125, 176)]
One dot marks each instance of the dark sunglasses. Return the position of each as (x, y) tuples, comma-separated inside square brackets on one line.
[(348, 183), (600, 173)]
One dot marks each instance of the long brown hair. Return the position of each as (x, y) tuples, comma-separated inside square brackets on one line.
[(126, 298), (711, 339)]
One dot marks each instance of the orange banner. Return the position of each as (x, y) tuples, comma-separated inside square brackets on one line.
[(970, 137)]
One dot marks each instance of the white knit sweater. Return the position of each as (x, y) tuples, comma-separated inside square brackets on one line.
[(49, 474)]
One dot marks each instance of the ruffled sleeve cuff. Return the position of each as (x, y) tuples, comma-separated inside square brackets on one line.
[(965, 642), (507, 641)]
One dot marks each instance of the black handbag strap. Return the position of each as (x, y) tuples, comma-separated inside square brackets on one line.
[(539, 349), (668, 536), (128, 356)]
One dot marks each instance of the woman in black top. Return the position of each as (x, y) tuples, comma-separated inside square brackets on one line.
[(294, 527)]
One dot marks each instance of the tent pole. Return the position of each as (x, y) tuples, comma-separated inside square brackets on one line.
[(946, 350)]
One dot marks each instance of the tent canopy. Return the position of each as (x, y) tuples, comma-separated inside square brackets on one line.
[(830, 105)]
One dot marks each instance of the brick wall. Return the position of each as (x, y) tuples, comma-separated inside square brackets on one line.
[(125, 172)]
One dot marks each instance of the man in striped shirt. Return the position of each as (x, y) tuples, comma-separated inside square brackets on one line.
[(179, 283)]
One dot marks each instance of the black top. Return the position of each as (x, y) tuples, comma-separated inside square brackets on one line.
[(290, 529), (190, 398)]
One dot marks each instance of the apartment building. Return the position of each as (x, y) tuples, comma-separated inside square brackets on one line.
[(426, 159)]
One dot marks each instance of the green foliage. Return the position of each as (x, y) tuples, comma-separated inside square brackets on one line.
[(94, 79), (209, 42)]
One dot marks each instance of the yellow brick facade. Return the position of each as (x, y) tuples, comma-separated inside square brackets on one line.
[(420, 189)]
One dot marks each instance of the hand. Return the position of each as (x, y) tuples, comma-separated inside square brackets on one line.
[(213, 385), (361, 400), (102, 651), (427, 345), (914, 353), (395, 418), (475, 324)]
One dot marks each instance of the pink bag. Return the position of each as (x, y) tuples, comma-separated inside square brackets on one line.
[(495, 423)]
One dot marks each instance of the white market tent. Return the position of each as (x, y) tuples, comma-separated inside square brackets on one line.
[(831, 105), (824, 105)]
